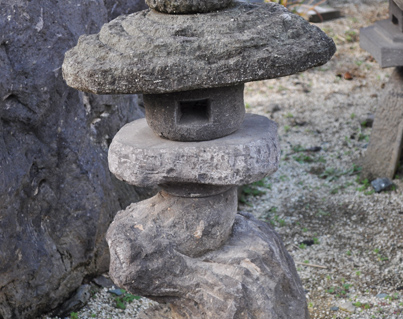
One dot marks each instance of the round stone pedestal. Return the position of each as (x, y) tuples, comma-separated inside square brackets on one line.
[(141, 158)]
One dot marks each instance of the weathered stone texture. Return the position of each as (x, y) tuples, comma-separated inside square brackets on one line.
[(385, 146), (141, 158), (187, 6), (191, 226), (399, 3), (152, 52), (384, 40), (250, 276), (197, 115), (56, 194)]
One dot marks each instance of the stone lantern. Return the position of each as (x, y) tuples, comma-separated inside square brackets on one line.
[(384, 40), (187, 247)]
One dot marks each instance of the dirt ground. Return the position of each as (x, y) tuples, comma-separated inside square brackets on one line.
[(346, 240)]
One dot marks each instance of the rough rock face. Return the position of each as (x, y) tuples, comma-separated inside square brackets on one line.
[(385, 146), (152, 52), (250, 276), (187, 6), (56, 194)]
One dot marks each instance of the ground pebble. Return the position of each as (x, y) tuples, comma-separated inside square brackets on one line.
[(347, 306), (381, 184)]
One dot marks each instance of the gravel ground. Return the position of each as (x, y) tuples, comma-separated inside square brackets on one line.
[(345, 239)]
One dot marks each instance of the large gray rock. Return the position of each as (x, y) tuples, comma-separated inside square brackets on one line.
[(151, 52), (56, 194)]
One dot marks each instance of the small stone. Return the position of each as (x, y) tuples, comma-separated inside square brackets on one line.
[(314, 149), (273, 108), (347, 306), (382, 296), (117, 292), (102, 281), (308, 242), (381, 184), (334, 308), (367, 120), (76, 302)]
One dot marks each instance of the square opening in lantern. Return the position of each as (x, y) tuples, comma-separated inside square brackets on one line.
[(195, 112)]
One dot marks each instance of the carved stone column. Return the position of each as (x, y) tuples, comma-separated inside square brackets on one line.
[(187, 247)]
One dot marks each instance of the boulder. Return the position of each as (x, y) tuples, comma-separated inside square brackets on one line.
[(57, 196), (250, 276)]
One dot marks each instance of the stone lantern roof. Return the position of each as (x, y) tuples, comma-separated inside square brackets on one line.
[(153, 52)]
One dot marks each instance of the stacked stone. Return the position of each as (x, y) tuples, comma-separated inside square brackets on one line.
[(187, 246)]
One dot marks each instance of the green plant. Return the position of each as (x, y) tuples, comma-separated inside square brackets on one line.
[(302, 158), (302, 246), (361, 305), (287, 128), (380, 256), (254, 189), (74, 315), (362, 136), (364, 185), (351, 35), (331, 173), (277, 220), (370, 192), (340, 291), (297, 148), (124, 299), (321, 212), (348, 253), (316, 241)]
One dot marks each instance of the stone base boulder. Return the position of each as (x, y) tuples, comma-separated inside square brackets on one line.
[(157, 250)]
